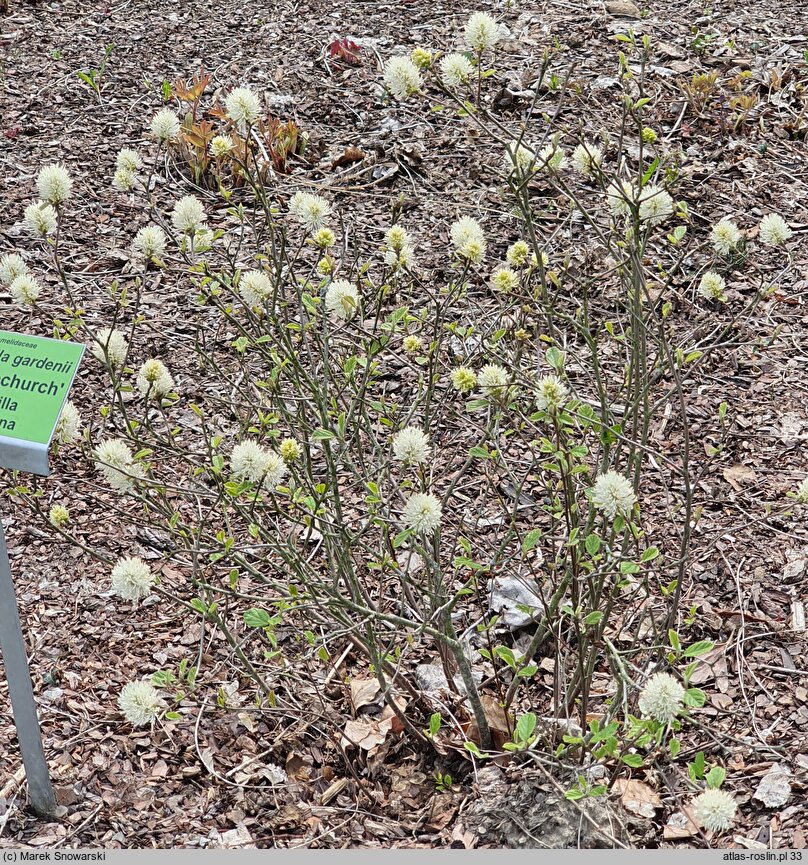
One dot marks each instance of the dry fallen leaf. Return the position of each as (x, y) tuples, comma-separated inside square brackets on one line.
[(637, 797), (738, 475), (364, 692)]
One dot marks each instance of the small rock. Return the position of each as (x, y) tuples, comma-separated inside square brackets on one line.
[(517, 604), (623, 9), (794, 570), (774, 789), (431, 678)]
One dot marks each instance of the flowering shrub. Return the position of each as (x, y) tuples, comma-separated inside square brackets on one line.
[(351, 448)]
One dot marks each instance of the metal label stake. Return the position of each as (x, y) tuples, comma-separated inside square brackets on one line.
[(35, 378)]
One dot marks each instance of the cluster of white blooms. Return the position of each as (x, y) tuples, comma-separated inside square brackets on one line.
[(613, 494), (493, 380), (399, 254), (68, 426), (220, 146), (250, 461), (468, 239), (656, 204), (464, 379), (117, 464), (661, 698), (132, 579), (520, 158), (165, 125), (455, 69), (411, 445), (552, 156), (421, 57), (110, 347), (41, 219), (243, 106), (714, 809), (154, 381), (309, 210), (289, 450), (402, 77), (587, 157), (342, 299), (12, 265), (518, 254), (140, 703), (551, 393), (802, 492), (481, 32), (774, 230), (150, 243), (505, 280), (712, 286), (621, 197), (324, 238), (127, 165), (53, 184), (255, 287), (25, 289), (726, 236), (422, 513), (412, 343), (188, 215), (58, 516)]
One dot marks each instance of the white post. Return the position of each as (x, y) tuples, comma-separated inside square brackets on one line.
[(21, 692)]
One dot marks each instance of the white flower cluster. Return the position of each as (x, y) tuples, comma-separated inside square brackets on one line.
[(402, 77), (712, 286), (726, 236), (25, 289), (255, 287), (455, 69), (714, 809), (422, 513), (587, 158), (165, 125), (399, 253), (613, 494), (127, 165), (551, 394), (662, 698), (110, 347), (154, 381), (188, 215), (468, 239), (310, 210), (117, 464), (68, 427), (243, 106), (140, 702), (132, 578), (493, 381), (411, 445), (41, 219), (481, 32), (342, 299), (221, 146), (774, 230), (53, 184), (150, 243), (251, 462)]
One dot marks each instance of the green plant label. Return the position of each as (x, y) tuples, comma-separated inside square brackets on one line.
[(35, 377)]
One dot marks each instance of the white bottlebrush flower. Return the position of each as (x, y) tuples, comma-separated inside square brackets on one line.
[(551, 393), (58, 516), (188, 215), (518, 254), (165, 125), (116, 463), (41, 219), (455, 69), (12, 265), (468, 239), (552, 156), (656, 205), (342, 299), (714, 810), (53, 184), (464, 379), (421, 57), (309, 210), (220, 146), (401, 77), (243, 106), (587, 157), (802, 492), (274, 471), (621, 196), (493, 380), (712, 286), (520, 158), (154, 380), (404, 259), (140, 702), (255, 287), (324, 238), (422, 513), (128, 160), (396, 237), (774, 230), (411, 445), (662, 698), (725, 236), (110, 347), (481, 32), (68, 427), (412, 344), (290, 450), (132, 579), (505, 280), (613, 494), (25, 289), (150, 242), (124, 180), (248, 461)]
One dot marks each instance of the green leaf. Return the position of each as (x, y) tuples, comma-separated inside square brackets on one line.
[(434, 723), (673, 638), (633, 760), (649, 554), (322, 435), (555, 357), (530, 540), (525, 727), (695, 697), (574, 795), (674, 746), (593, 618), (592, 544), (257, 618), (715, 777), (649, 173), (480, 452), (700, 648)]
